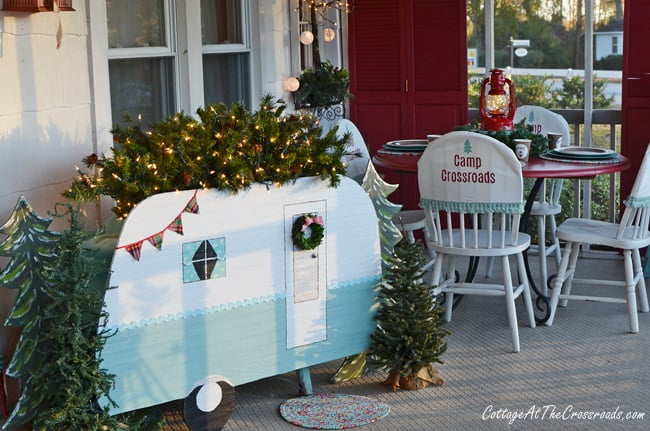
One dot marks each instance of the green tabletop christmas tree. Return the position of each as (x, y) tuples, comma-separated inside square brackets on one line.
[(409, 337)]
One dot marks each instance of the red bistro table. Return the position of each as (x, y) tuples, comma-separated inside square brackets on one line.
[(407, 163)]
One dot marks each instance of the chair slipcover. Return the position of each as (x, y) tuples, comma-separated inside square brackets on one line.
[(458, 159), (543, 121)]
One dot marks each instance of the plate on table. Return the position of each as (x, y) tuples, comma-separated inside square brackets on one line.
[(583, 152), (407, 145), (591, 160)]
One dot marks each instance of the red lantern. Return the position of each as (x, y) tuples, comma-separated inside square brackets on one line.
[(497, 107)]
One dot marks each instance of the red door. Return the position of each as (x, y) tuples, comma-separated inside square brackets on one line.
[(408, 74), (635, 133)]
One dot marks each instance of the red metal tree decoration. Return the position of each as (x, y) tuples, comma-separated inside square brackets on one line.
[(497, 107)]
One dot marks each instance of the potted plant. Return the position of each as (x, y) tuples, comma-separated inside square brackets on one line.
[(322, 86)]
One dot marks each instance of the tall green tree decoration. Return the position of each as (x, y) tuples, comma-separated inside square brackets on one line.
[(389, 235), (61, 392), (409, 336), (32, 249), (379, 190)]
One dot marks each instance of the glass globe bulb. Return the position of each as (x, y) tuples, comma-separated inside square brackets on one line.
[(306, 37), (329, 34), (292, 84)]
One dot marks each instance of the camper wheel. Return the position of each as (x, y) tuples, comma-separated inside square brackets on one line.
[(209, 404)]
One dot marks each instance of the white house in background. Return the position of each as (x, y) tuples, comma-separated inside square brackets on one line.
[(607, 43), (151, 57)]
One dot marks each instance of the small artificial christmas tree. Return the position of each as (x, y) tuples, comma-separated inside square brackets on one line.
[(409, 336)]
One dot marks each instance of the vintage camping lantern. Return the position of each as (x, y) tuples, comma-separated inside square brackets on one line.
[(497, 106)]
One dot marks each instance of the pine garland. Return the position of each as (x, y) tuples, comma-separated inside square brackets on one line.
[(538, 145), (227, 148)]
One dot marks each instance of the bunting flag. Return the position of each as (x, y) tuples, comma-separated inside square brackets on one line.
[(176, 225), (134, 250), (156, 239), (192, 206)]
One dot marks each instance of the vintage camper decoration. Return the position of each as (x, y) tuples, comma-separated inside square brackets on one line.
[(230, 297)]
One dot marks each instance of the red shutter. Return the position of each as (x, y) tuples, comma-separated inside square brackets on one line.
[(635, 134), (408, 74)]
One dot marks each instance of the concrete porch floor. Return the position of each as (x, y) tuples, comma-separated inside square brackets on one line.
[(586, 362)]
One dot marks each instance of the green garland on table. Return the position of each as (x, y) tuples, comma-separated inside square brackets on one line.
[(538, 142), (316, 229)]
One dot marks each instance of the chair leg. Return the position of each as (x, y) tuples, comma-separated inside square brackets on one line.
[(571, 272), (559, 281), (510, 303), (527, 297), (437, 278), (541, 249), (489, 266), (556, 242), (638, 272), (630, 291)]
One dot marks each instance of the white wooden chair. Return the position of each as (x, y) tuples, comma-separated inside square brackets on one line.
[(356, 160), (356, 156), (471, 190), (547, 205), (630, 235)]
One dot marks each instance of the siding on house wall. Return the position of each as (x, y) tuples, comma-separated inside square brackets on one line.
[(45, 113), (47, 108)]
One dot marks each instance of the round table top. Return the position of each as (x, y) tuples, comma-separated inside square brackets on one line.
[(535, 168)]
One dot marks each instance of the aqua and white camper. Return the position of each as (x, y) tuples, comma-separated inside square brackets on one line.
[(208, 286)]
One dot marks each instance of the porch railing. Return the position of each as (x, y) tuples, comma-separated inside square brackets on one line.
[(611, 119)]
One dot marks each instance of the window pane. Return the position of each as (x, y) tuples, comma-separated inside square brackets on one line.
[(142, 87), (135, 23), (221, 21), (226, 78)]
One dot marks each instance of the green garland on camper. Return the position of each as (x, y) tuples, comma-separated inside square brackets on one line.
[(227, 148)]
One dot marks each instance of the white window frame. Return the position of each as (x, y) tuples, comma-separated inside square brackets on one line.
[(183, 20)]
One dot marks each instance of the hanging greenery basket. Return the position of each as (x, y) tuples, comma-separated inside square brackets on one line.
[(322, 86)]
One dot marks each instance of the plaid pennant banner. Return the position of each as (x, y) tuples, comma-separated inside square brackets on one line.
[(176, 225), (134, 250), (192, 206), (157, 240)]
